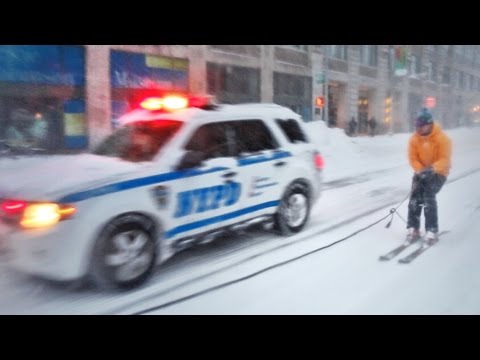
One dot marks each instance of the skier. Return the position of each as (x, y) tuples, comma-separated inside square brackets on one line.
[(429, 153)]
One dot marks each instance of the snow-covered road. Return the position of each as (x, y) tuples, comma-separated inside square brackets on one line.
[(364, 178)]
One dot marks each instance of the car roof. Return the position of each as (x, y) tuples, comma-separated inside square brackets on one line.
[(220, 112)]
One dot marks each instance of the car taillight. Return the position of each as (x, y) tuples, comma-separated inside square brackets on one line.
[(319, 162)]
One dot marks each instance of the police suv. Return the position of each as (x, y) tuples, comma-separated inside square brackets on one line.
[(178, 171)]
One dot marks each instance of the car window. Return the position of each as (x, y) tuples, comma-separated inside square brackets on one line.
[(138, 141), (210, 139), (252, 136), (292, 130)]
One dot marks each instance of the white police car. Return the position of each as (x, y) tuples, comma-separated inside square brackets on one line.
[(175, 173)]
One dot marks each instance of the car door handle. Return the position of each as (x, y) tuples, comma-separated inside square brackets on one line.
[(280, 163), (230, 174)]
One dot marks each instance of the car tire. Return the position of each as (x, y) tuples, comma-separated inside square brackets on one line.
[(125, 253), (293, 211)]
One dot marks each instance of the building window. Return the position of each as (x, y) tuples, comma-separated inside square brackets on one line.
[(337, 51), (391, 59), (294, 92), (291, 85), (458, 49), (414, 64), (298, 47), (431, 71), (476, 56), (368, 55), (233, 84), (469, 55), (446, 75), (460, 83)]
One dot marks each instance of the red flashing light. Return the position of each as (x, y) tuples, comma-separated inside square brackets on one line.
[(174, 102), (13, 207), (152, 104), (200, 101), (168, 103)]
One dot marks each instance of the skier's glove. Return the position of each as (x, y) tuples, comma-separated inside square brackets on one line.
[(426, 173)]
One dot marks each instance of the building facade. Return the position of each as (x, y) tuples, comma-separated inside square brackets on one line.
[(392, 82), (68, 97)]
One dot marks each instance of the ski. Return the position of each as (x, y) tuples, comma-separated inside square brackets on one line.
[(390, 255), (424, 247), (410, 257)]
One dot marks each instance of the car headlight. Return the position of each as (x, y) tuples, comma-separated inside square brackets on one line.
[(36, 215)]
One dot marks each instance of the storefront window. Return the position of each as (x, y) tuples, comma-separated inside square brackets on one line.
[(134, 75), (294, 92), (42, 97)]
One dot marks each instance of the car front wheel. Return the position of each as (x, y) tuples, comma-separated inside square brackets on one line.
[(124, 255)]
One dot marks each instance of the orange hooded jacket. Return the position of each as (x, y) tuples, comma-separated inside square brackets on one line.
[(433, 150)]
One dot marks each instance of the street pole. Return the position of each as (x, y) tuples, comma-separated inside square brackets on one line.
[(325, 91), (392, 92), (392, 87)]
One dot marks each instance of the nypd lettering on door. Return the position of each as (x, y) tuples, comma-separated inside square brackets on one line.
[(206, 199)]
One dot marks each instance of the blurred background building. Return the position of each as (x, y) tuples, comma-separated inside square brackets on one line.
[(68, 97)]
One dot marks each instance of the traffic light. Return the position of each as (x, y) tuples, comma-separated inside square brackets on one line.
[(320, 102)]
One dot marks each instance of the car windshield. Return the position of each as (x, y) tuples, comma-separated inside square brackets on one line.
[(139, 141)]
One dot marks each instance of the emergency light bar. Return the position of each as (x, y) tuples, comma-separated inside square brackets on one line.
[(175, 102)]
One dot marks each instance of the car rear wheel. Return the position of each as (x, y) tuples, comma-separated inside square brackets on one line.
[(294, 210)]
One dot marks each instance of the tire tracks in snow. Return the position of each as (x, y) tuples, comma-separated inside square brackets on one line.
[(293, 240)]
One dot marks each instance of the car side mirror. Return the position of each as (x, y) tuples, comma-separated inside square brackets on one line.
[(191, 159)]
